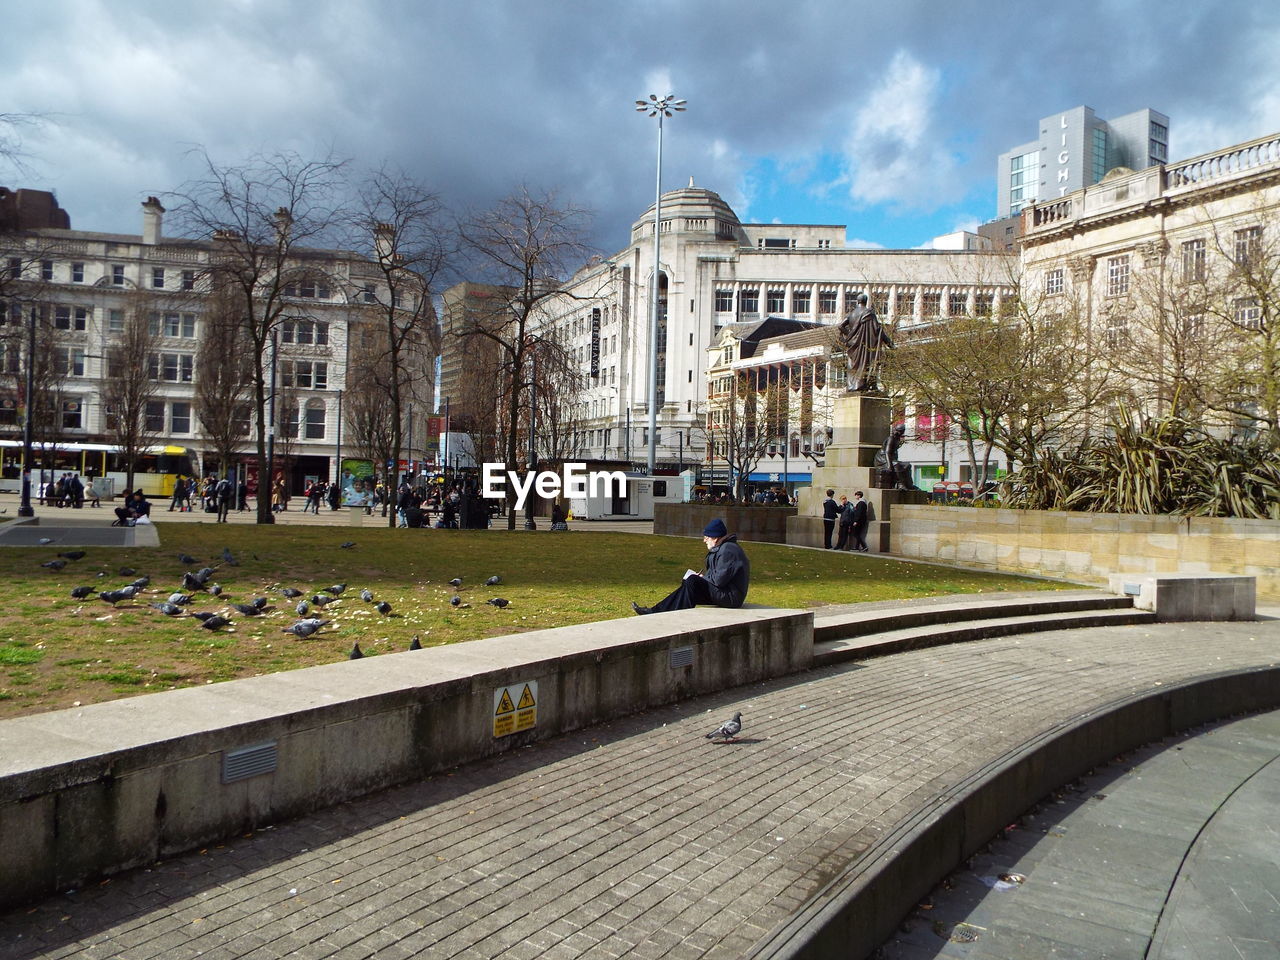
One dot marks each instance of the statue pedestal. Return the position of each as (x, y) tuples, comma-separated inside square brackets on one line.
[(860, 425)]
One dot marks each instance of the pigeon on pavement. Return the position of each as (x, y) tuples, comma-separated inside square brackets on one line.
[(497, 602), (305, 628), (728, 730), (44, 540)]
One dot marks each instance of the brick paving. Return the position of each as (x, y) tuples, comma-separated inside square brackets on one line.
[(637, 838)]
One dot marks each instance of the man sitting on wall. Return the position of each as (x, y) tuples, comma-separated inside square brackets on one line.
[(723, 583)]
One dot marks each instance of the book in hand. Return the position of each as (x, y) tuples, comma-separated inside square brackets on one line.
[(690, 573)]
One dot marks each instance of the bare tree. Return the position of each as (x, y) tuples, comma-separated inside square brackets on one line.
[(131, 384), (224, 362), (261, 215), (523, 245), (748, 415), (366, 405), (401, 220)]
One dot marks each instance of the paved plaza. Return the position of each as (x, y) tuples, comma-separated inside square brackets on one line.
[(637, 838)]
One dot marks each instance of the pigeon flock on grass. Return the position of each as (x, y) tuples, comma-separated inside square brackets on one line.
[(195, 583)]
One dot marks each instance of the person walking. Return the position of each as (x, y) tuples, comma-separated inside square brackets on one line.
[(225, 493), (723, 582), (830, 510), (179, 493), (861, 521)]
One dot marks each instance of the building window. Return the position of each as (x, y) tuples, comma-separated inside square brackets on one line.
[(1053, 282), (115, 321), (10, 358), (180, 417), (77, 273), (305, 331), (827, 301), (824, 244), (1117, 330), (750, 300), (776, 301), (68, 361), (984, 304), (802, 301), (289, 421), (368, 294), (315, 420), (117, 274), (304, 374), (880, 302), (46, 269), (1118, 275), (70, 318), (1193, 326), (71, 411), (154, 416), (1248, 314), (905, 304), (1248, 245), (1159, 132), (157, 278), (310, 289), (1193, 260), (15, 268), (174, 325), (188, 279), (724, 301), (1099, 153), (957, 304), (173, 367), (932, 305)]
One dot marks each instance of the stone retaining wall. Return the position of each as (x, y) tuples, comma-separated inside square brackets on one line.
[(760, 523), (98, 789), (1089, 547)]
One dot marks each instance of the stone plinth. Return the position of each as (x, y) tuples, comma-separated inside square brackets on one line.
[(860, 424)]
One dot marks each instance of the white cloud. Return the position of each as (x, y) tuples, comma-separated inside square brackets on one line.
[(856, 243), (892, 150)]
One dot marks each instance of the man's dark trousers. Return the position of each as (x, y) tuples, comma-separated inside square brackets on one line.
[(692, 591)]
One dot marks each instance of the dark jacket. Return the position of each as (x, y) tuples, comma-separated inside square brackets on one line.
[(830, 509), (859, 513), (728, 573)]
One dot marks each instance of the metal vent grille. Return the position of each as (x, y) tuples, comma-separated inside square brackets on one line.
[(1132, 589), (249, 761), (681, 657)]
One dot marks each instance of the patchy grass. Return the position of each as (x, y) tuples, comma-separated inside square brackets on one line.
[(57, 652)]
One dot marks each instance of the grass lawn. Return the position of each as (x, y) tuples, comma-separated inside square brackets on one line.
[(57, 652)]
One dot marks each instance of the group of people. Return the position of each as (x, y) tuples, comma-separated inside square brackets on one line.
[(135, 507), (853, 517), (66, 491), (213, 494)]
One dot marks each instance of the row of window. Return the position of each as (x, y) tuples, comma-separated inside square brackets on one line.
[(904, 302), (174, 418), (161, 277)]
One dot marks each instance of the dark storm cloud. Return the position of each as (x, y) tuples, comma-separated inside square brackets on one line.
[(912, 103)]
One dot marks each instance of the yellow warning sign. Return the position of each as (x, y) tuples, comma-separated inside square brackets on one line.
[(515, 708)]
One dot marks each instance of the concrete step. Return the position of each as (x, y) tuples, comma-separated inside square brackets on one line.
[(863, 647), (853, 622)]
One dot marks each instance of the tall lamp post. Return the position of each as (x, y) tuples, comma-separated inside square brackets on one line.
[(660, 109), (25, 509)]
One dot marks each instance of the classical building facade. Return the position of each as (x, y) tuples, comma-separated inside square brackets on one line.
[(81, 285), (719, 273)]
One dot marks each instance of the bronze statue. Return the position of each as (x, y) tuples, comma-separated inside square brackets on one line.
[(863, 337), (890, 471)]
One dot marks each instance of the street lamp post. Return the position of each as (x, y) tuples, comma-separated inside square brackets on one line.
[(25, 509), (271, 433), (659, 108)]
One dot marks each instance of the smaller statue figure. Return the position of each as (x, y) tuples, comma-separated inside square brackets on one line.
[(863, 337), (891, 472)]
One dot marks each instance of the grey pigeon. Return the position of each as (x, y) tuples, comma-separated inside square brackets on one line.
[(728, 730), (169, 609), (113, 596), (346, 546), (72, 554), (204, 574), (305, 628), (337, 589), (356, 653), (202, 616), (248, 609), (127, 571), (229, 558), (366, 595), (493, 581), (291, 592), (214, 590), (455, 600), (455, 582), (191, 582), (497, 602), (43, 540), (383, 608), (415, 643), (79, 593), (302, 609), (259, 602), (320, 599), (215, 622), (142, 581), (186, 558), (181, 599), (54, 564)]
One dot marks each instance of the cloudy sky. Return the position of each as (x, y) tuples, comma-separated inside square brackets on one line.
[(885, 117)]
